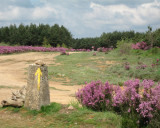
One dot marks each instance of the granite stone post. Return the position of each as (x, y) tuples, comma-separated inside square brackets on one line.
[(37, 90)]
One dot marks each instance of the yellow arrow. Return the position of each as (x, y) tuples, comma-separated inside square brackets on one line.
[(38, 74)]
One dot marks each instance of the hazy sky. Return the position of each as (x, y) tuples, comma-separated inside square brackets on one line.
[(83, 18)]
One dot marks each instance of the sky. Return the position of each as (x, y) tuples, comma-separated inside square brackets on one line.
[(83, 18)]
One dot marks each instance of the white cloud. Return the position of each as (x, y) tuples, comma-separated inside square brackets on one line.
[(11, 14), (81, 17), (43, 12), (123, 15)]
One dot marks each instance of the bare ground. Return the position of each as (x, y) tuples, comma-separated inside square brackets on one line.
[(13, 73)]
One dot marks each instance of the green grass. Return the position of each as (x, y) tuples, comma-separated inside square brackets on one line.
[(46, 110), (58, 116), (83, 67), (78, 68)]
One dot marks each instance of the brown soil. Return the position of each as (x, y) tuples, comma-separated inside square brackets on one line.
[(13, 73)]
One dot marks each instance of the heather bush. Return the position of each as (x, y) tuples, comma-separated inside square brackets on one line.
[(126, 66), (94, 54), (96, 96), (20, 49), (103, 49), (141, 45), (64, 53), (138, 102)]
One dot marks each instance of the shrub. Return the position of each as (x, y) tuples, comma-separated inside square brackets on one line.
[(136, 100), (123, 47), (64, 53), (155, 50), (58, 45), (95, 95), (103, 49), (126, 66), (141, 45), (143, 66), (45, 43), (94, 54), (64, 45)]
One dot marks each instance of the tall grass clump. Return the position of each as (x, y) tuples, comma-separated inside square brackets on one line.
[(124, 47)]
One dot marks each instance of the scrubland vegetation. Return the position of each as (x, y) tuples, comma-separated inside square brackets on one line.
[(120, 72)]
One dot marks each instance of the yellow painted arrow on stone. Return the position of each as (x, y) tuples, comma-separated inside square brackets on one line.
[(38, 74)]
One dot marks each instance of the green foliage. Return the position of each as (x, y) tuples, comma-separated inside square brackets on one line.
[(129, 122), (155, 122), (156, 35), (64, 46), (76, 118), (35, 35), (85, 117), (3, 44), (49, 109), (46, 43), (58, 45), (155, 50), (124, 46)]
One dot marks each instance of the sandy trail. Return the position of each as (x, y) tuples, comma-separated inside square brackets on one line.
[(13, 73)]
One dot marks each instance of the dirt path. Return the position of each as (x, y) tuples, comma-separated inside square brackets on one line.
[(13, 74)]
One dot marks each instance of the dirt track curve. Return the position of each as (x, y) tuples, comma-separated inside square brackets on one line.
[(13, 75)]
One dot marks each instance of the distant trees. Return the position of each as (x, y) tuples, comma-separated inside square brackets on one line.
[(156, 36), (46, 35), (35, 34)]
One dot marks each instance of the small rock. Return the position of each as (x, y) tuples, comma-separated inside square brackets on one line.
[(40, 62), (70, 107)]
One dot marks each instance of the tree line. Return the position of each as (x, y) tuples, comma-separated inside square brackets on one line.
[(38, 35), (35, 35), (110, 39)]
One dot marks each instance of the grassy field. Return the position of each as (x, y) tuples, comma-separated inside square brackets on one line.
[(58, 116), (84, 67), (78, 68)]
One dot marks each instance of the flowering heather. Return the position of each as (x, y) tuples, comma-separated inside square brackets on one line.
[(103, 49), (139, 99), (140, 45), (129, 96), (143, 66), (95, 95), (19, 49), (64, 53), (127, 66), (156, 63), (94, 54)]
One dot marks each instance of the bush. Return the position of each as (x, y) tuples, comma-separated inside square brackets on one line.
[(155, 50), (103, 49), (94, 54), (45, 43), (123, 47), (64, 45), (64, 53), (95, 95), (141, 45), (137, 100)]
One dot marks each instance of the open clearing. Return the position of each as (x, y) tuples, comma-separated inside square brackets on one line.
[(13, 75)]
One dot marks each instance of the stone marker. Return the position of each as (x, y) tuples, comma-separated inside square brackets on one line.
[(37, 90)]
